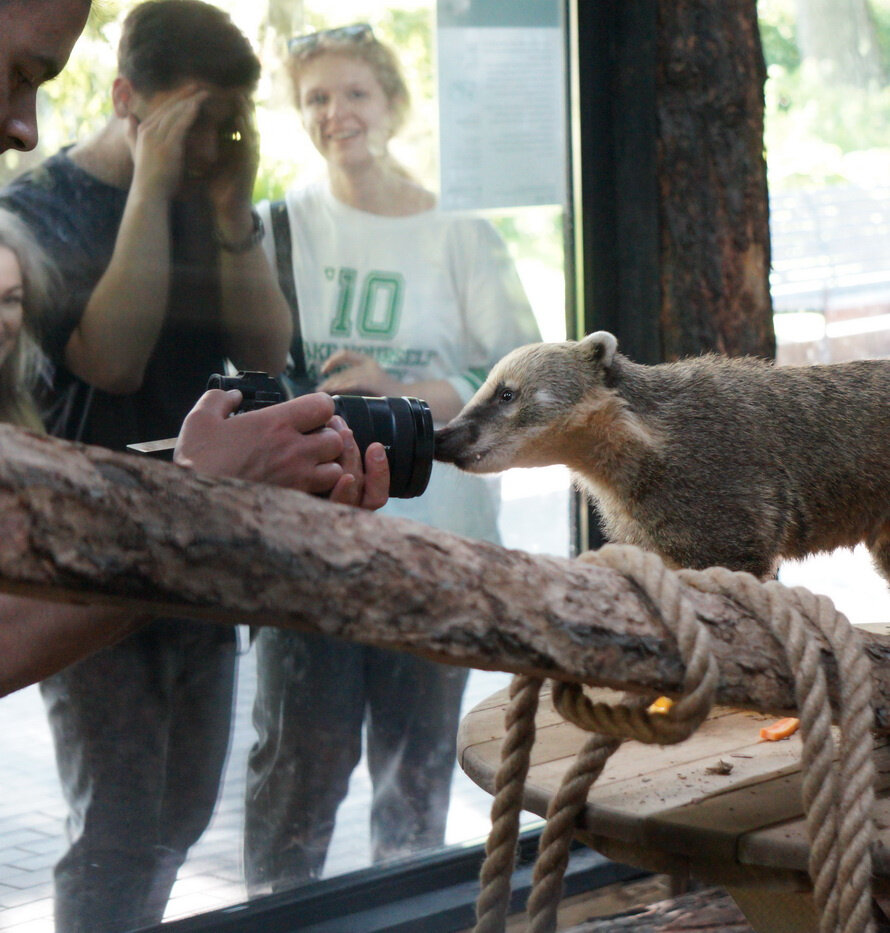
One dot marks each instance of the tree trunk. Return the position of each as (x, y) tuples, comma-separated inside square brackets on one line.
[(715, 252), (83, 523)]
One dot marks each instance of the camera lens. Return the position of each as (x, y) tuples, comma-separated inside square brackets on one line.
[(403, 425), (405, 428)]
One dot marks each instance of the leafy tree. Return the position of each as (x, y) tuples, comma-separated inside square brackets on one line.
[(821, 129)]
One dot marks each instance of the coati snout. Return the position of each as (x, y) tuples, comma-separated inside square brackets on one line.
[(526, 405), (453, 440)]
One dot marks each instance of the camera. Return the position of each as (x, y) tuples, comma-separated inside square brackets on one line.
[(403, 425), (258, 390)]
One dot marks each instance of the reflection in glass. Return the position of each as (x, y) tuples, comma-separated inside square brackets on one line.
[(394, 298), (137, 218), (496, 282)]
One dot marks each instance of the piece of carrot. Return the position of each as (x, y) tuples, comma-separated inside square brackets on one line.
[(661, 705), (780, 729)]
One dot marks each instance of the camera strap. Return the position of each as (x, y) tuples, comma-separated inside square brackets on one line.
[(284, 264)]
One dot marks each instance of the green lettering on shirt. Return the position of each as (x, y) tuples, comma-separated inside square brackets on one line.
[(381, 305), (341, 326)]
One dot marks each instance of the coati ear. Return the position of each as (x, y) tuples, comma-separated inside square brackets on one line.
[(600, 347)]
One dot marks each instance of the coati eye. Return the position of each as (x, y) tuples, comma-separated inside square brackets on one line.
[(506, 395)]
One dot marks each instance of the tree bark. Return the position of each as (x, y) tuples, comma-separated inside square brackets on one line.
[(85, 524), (715, 252)]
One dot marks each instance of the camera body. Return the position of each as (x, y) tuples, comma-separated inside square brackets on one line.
[(258, 390), (403, 425)]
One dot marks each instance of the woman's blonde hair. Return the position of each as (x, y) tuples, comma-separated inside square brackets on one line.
[(364, 46), (20, 370)]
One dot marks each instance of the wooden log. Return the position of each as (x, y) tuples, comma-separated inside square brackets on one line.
[(84, 524)]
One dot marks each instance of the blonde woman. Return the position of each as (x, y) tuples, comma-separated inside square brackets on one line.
[(26, 281), (394, 297)]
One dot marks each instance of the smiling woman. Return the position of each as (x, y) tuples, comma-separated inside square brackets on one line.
[(396, 298)]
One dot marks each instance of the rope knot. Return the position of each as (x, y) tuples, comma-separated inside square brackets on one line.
[(838, 785)]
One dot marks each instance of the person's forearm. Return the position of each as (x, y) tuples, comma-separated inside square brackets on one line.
[(256, 317), (39, 638), (120, 326)]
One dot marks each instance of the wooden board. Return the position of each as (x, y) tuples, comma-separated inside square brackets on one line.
[(665, 805)]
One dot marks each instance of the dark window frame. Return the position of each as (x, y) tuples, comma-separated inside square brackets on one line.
[(434, 893), (614, 273)]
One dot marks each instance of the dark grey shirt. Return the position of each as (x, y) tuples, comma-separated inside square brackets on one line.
[(76, 219)]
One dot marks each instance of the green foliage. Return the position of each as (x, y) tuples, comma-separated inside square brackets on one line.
[(848, 118), (274, 177), (819, 133), (881, 13), (777, 28), (533, 233), (410, 31), (102, 14), (79, 100)]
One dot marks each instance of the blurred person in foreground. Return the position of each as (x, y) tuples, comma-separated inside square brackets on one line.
[(392, 297)]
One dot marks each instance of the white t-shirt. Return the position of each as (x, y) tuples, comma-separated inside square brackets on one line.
[(429, 296)]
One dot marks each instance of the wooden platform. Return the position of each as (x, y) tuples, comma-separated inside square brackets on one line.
[(723, 807)]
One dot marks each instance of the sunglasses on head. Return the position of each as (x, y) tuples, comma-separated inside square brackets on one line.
[(358, 32)]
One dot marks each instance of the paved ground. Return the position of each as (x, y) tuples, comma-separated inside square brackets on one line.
[(32, 813)]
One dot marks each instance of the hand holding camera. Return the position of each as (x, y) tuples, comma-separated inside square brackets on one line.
[(403, 425), (297, 445)]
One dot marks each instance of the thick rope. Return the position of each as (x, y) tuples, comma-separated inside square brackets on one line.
[(666, 593), (837, 795), (493, 903), (611, 723), (631, 718), (556, 839), (856, 765)]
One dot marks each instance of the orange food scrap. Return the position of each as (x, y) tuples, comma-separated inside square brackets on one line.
[(661, 705), (780, 729)]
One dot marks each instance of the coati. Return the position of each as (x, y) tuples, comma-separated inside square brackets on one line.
[(706, 461)]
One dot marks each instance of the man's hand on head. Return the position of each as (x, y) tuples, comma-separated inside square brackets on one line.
[(158, 141), (298, 444)]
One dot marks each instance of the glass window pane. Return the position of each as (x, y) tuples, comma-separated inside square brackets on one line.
[(427, 241)]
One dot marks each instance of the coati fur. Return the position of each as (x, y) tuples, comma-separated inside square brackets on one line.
[(706, 461)]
